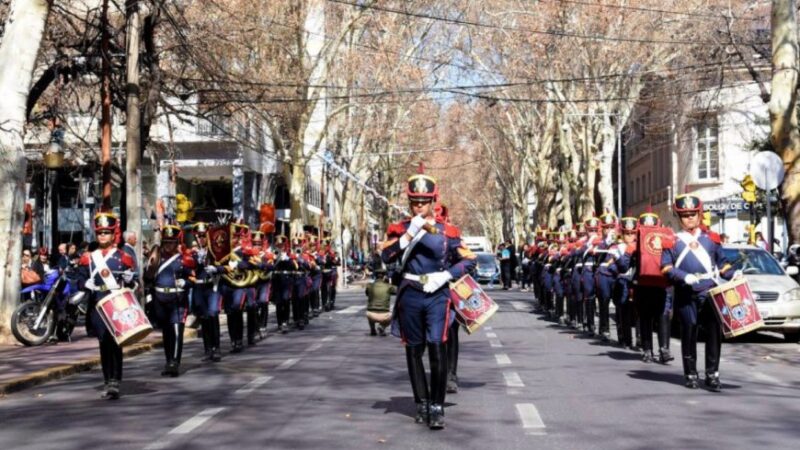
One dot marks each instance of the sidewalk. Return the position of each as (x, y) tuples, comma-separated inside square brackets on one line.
[(23, 367)]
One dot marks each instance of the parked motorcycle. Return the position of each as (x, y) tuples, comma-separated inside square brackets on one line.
[(38, 291), (35, 321)]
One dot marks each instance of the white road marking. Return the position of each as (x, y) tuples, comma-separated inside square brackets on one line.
[(253, 385), (495, 343), (351, 310), (502, 359), (201, 418), (520, 306), (328, 338), (513, 379), (314, 347), (761, 376), (487, 328), (491, 335), (288, 363), (531, 420)]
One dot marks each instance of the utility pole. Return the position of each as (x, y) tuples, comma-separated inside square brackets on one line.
[(322, 203), (133, 149), (105, 119)]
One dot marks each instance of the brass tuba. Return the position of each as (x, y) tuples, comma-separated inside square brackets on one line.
[(237, 277)]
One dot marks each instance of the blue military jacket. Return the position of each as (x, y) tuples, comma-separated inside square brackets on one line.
[(693, 253), (89, 276), (433, 253)]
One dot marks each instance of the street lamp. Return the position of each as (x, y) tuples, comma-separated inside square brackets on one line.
[(54, 155)]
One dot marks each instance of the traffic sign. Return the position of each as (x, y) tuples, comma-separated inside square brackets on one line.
[(767, 170)]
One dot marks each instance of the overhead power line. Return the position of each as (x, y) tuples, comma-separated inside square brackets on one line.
[(562, 34), (705, 16)]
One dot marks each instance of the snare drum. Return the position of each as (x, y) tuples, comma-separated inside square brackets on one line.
[(124, 317), (472, 305), (736, 308)]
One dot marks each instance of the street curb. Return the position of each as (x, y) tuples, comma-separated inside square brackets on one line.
[(56, 372)]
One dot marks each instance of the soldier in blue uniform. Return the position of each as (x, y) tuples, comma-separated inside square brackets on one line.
[(589, 259), (329, 276), (101, 273), (300, 285), (430, 254), (606, 272), (576, 269), (283, 282), (168, 275), (262, 261), (621, 294), (232, 288), (205, 298), (692, 261), (315, 252)]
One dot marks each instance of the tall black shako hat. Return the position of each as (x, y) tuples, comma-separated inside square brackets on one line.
[(422, 187)]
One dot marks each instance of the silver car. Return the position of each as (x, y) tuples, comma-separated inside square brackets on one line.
[(776, 293), (487, 268)]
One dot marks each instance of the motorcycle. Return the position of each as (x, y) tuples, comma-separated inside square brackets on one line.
[(37, 291), (35, 321)]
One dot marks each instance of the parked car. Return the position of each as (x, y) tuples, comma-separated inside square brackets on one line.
[(487, 267), (777, 294)]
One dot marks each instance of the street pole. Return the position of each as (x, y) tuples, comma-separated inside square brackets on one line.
[(133, 187), (770, 228), (619, 167), (105, 119), (322, 203)]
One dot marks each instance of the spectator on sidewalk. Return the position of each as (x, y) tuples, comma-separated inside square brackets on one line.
[(379, 294), (505, 266), (130, 247), (63, 259), (42, 263)]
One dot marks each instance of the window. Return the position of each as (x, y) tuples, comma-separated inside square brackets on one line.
[(706, 149)]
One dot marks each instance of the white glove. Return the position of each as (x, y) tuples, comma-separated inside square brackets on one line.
[(416, 224), (180, 283), (233, 264), (436, 280), (691, 279), (127, 276), (284, 257), (738, 274), (211, 270)]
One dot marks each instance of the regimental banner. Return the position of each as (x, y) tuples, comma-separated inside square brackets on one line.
[(219, 243), (472, 305), (650, 247), (736, 308)]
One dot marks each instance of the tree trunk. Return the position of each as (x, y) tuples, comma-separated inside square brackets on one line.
[(297, 194), (606, 182), (18, 51), (133, 150), (782, 106)]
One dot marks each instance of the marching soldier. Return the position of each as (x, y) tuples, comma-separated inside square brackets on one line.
[(300, 287), (576, 264), (258, 308), (606, 272), (623, 301), (430, 254), (329, 277), (167, 272), (315, 254), (692, 261), (205, 298), (588, 255), (233, 286), (101, 273), (283, 282)]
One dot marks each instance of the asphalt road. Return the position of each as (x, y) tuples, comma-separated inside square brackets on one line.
[(525, 383)]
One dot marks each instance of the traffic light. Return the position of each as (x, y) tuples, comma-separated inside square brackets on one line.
[(707, 218), (749, 192)]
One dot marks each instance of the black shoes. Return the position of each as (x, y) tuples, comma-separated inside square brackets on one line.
[(712, 382), (647, 356), (665, 356), (215, 355), (452, 385), (692, 381), (238, 347), (172, 369), (436, 421), (111, 390), (423, 412)]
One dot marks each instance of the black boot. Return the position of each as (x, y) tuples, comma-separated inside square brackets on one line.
[(208, 333), (691, 381), (664, 355), (452, 359), (712, 382), (437, 354), (178, 351), (216, 355), (169, 337), (252, 326), (419, 384)]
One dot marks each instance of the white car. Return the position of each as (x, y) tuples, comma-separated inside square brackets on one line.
[(776, 293)]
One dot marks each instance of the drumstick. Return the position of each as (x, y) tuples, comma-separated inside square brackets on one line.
[(430, 228)]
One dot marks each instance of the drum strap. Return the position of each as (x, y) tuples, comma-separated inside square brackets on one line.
[(700, 252), (167, 263), (411, 245), (101, 268)]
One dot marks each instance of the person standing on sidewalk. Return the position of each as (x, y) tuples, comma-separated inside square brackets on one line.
[(431, 254), (101, 272)]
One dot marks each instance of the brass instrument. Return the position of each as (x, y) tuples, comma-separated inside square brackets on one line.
[(239, 278)]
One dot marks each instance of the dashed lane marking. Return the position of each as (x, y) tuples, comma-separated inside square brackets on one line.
[(520, 306), (314, 347), (513, 379), (199, 419), (253, 385), (351, 310), (532, 421), (761, 376), (487, 328), (328, 338), (495, 343), (502, 359), (288, 363), (491, 335)]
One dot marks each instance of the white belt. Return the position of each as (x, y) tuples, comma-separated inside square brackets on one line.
[(418, 278), (168, 290), (705, 276), (588, 264), (579, 265)]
